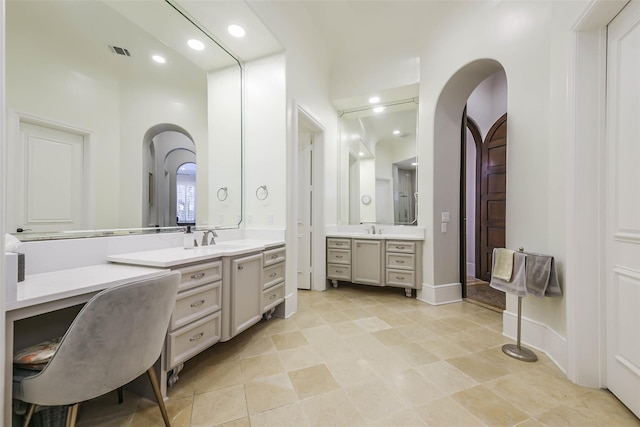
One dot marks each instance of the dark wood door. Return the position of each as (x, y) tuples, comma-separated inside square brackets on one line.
[(492, 196)]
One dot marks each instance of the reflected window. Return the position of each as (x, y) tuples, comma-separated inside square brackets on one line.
[(186, 194)]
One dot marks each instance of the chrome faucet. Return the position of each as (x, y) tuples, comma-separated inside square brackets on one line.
[(373, 229), (213, 238)]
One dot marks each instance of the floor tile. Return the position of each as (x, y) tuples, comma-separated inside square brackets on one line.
[(489, 407), (312, 381), (218, 407), (269, 392)]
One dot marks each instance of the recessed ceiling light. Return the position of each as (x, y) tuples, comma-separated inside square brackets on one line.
[(374, 99), (159, 59), (378, 109), (396, 132), (361, 154), (236, 30), (195, 44)]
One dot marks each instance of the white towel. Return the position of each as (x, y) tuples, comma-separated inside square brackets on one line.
[(518, 283), (502, 263)]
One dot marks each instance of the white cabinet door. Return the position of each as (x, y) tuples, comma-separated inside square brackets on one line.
[(366, 262), (623, 207), (246, 292)]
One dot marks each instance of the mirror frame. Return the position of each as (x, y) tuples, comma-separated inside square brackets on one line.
[(23, 236), (343, 172)]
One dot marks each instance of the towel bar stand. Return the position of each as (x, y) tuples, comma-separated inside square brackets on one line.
[(516, 350)]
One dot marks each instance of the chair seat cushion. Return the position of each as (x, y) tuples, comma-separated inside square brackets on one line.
[(36, 356)]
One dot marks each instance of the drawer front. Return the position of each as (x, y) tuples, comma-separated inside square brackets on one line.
[(184, 343), (338, 256), (196, 303), (403, 247), (272, 297), (402, 278), (200, 274), (273, 256), (272, 275), (401, 261), (338, 243), (339, 272)]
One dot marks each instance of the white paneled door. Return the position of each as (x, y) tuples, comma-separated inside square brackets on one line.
[(623, 207), (51, 185)]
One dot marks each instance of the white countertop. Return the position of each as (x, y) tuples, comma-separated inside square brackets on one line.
[(57, 285), (378, 236), (171, 257)]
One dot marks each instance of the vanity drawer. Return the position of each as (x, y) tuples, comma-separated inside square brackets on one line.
[(404, 247), (196, 303), (200, 274), (272, 297), (401, 278), (184, 343), (338, 256), (272, 275), (401, 261), (273, 256), (339, 243), (339, 272)]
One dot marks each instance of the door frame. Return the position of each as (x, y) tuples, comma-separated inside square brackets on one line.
[(301, 114), (585, 304)]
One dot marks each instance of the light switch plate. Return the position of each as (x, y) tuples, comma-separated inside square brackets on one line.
[(446, 216)]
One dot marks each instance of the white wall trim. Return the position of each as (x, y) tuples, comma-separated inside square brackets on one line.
[(584, 289), (538, 336), (440, 294)]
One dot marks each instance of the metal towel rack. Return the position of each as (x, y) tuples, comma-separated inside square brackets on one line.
[(516, 350)]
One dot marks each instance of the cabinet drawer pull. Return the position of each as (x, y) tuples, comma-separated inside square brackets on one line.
[(339, 271), (197, 303), (196, 337), (273, 274), (197, 276), (272, 296), (338, 244), (399, 277), (399, 247), (338, 256), (241, 267), (274, 256), (399, 261)]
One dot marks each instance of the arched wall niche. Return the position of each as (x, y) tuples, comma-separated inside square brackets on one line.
[(441, 263)]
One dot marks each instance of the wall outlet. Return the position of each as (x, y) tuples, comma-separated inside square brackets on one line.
[(269, 219), (443, 227)]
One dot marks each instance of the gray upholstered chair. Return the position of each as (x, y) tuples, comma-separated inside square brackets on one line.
[(116, 337)]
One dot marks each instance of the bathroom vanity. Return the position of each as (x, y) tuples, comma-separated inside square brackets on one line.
[(375, 259), (224, 290)]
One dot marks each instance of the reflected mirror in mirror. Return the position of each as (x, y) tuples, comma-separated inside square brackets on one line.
[(379, 183), (105, 102)]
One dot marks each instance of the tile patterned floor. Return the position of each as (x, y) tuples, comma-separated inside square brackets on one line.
[(362, 356)]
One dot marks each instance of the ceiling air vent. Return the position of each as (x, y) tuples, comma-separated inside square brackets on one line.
[(119, 50)]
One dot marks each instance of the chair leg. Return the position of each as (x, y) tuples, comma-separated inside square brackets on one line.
[(156, 390), (29, 414), (120, 395), (72, 415)]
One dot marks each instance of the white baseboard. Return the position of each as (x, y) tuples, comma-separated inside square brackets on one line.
[(537, 336), (289, 307), (471, 269), (440, 294)]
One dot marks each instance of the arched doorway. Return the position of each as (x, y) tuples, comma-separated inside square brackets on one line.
[(442, 271), (167, 149)]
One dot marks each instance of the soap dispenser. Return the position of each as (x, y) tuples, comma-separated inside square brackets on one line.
[(188, 238)]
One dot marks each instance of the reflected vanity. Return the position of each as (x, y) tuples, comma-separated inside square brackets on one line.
[(98, 130)]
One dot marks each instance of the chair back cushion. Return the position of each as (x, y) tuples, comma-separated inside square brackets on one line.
[(116, 337)]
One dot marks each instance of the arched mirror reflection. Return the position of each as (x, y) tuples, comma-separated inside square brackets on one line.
[(379, 179), (90, 88)]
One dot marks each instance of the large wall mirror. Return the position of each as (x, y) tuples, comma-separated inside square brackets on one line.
[(122, 115), (379, 166)]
